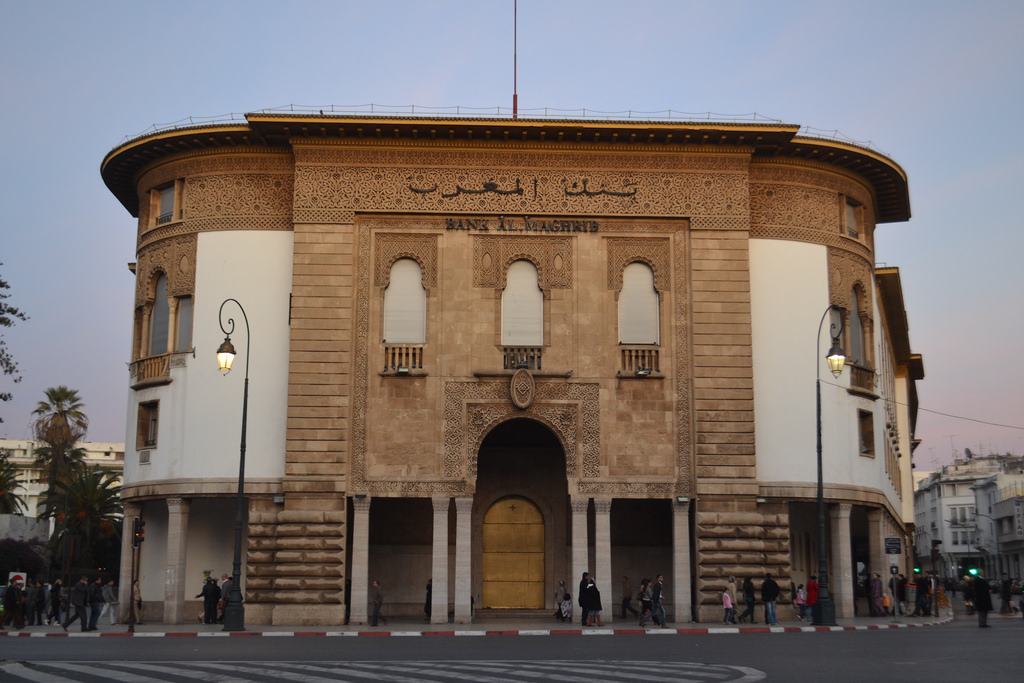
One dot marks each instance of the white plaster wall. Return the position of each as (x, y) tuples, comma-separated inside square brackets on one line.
[(199, 431), (789, 296)]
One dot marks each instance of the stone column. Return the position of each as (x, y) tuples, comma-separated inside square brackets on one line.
[(876, 543), (463, 560), (439, 563), (603, 556), (681, 563), (124, 587), (580, 550), (842, 576), (174, 574), (360, 561)]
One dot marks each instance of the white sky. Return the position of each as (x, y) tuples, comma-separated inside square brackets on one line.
[(937, 86)]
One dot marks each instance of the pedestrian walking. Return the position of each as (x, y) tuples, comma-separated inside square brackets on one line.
[(982, 598), (110, 601), (79, 602), (377, 598), (658, 600), (627, 598), (95, 602), (749, 597), (729, 612), (769, 596), (646, 604), (801, 602)]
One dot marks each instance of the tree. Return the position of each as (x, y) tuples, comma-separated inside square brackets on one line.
[(87, 509), (10, 502), (60, 424), (8, 316)]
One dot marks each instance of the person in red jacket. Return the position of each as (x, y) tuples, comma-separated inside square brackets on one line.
[(812, 597)]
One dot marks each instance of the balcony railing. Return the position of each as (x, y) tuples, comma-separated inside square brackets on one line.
[(516, 357), (152, 371), (403, 358), (641, 358), (862, 378)]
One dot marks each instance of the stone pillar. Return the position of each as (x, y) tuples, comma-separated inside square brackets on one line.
[(124, 583), (360, 561), (439, 563), (463, 560), (843, 576), (174, 574), (681, 563), (603, 556), (580, 550), (876, 543)]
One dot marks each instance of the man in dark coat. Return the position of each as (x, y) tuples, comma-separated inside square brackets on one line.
[(14, 599), (95, 602), (584, 582), (749, 596), (769, 594), (79, 599), (210, 595), (982, 598)]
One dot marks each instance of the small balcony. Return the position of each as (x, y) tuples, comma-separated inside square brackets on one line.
[(403, 359), (516, 357), (640, 360), (150, 372), (862, 381)]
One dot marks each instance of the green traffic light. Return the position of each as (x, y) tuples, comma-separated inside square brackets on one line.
[(972, 572)]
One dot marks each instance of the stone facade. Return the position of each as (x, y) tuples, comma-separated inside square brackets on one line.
[(636, 466)]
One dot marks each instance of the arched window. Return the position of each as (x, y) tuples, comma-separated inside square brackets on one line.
[(522, 307), (639, 321), (855, 354), (160, 318), (405, 304)]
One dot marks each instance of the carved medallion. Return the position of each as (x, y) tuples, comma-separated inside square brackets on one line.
[(522, 389)]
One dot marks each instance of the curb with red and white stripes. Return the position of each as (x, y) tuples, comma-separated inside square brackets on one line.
[(708, 630)]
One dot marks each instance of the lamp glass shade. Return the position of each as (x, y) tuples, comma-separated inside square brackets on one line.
[(836, 359), (226, 356)]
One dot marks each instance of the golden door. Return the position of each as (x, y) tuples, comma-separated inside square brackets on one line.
[(513, 561)]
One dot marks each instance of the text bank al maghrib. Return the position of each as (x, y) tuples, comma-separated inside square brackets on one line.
[(526, 224)]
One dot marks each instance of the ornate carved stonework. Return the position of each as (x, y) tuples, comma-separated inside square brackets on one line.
[(655, 252), (176, 258), (493, 255), (389, 247), (569, 409), (342, 177), (522, 389)]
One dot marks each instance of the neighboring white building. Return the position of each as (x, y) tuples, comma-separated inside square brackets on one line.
[(970, 514), (22, 455)]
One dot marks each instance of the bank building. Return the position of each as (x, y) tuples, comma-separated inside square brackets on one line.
[(497, 352)]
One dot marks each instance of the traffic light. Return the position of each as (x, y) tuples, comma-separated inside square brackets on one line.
[(138, 532), (972, 571)]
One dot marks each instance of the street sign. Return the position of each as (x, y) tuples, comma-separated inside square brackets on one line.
[(893, 546), (894, 569)]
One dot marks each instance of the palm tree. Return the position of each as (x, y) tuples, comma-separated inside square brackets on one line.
[(88, 509), (10, 502), (60, 423)]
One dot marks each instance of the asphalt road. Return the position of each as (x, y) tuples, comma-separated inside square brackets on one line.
[(956, 651)]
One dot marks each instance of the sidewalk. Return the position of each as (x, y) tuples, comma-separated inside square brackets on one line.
[(411, 627)]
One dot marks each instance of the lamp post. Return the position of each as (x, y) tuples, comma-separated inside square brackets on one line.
[(234, 612), (825, 609)]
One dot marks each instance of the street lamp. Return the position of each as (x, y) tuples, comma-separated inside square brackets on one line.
[(234, 612), (825, 610)]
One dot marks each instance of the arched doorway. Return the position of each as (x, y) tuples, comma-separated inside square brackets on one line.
[(513, 555), (521, 529)]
